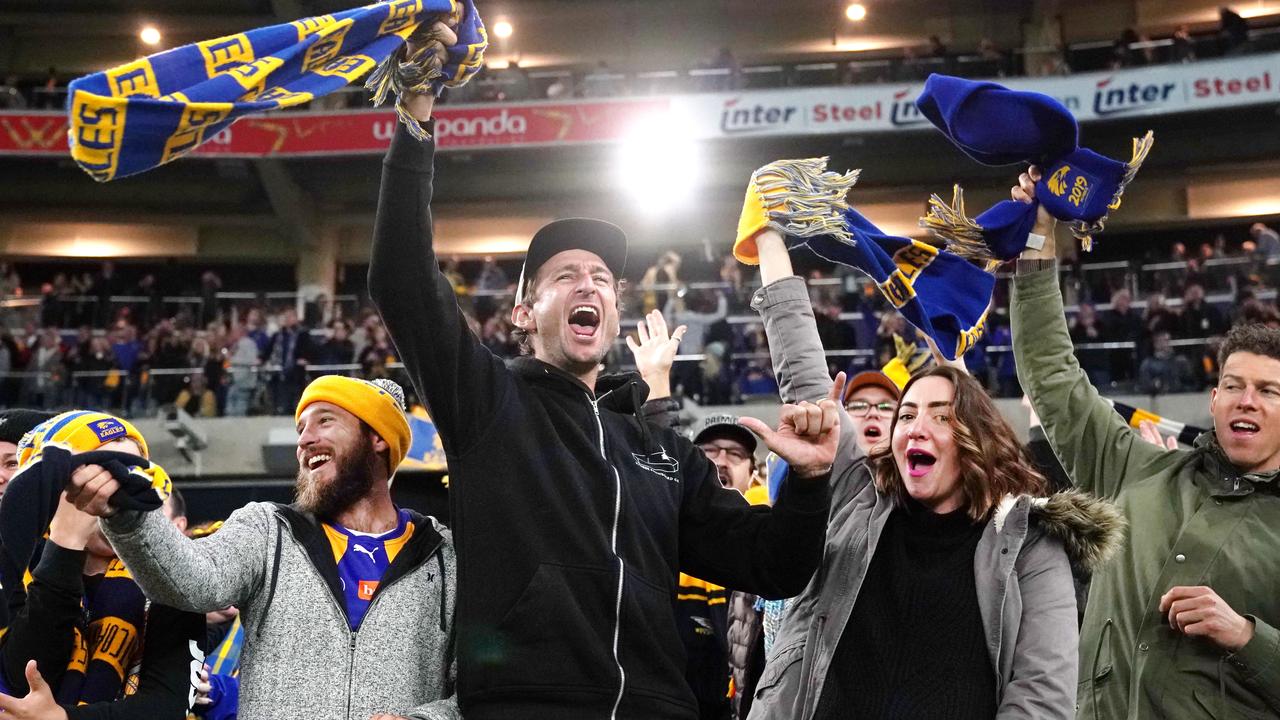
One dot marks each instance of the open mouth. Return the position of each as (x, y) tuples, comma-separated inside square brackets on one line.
[(584, 320), (919, 462), (315, 462), (723, 474), (871, 432), (1244, 428)]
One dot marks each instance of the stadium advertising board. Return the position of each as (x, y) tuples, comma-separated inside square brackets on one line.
[(791, 112)]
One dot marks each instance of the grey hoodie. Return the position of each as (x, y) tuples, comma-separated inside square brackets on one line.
[(300, 657)]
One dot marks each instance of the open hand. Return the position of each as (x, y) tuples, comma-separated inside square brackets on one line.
[(807, 434), (656, 350), (1198, 611), (37, 705)]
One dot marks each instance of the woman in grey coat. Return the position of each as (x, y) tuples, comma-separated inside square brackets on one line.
[(945, 589)]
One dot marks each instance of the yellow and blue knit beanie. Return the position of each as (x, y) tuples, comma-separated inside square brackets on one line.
[(379, 403), (78, 431), (81, 431)]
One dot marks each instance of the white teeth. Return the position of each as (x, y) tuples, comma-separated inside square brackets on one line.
[(586, 308), (1246, 426), (317, 460)]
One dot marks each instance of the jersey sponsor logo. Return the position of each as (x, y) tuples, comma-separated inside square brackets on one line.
[(366, 589), (371, 552), (660, 464)]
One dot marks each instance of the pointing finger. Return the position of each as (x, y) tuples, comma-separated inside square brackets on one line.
[(837, 388)]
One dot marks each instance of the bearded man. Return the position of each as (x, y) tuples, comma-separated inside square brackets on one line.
[(346, 600)]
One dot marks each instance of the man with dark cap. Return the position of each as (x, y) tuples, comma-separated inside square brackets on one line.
[(572, 517), (13, 425), (730, 447)]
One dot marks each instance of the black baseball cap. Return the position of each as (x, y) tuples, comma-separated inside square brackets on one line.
[(722, 425), (597, 236)]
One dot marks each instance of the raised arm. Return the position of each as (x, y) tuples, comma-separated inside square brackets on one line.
[(455, 375), (1096, 447), (799, 360)]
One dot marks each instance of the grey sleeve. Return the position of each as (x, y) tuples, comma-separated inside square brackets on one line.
[(1045, 664), (799, 361), (202, 575)]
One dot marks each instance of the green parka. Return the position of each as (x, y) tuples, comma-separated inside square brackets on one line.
[(1193, 520)]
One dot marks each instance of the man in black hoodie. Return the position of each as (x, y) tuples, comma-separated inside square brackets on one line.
[(572, 517)]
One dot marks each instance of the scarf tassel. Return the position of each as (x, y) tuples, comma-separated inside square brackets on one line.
[(805, 199), (400, 72), (962, 235), (1084, 231)]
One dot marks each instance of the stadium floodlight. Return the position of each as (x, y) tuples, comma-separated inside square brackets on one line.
[(150, 35), (503, 29), (659, 164), (856, 12)]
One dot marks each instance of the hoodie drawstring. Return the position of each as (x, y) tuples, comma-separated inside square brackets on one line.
[(275, 573)]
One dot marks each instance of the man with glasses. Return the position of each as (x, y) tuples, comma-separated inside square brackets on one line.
[(870, 398), (730, 447), (703, 607)]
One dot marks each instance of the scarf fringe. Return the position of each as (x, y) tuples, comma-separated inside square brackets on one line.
[(400, 72), (962, 235), (1084, 231), (804, 198)]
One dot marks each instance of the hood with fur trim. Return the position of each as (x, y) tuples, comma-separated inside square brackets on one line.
[(1091, 529)]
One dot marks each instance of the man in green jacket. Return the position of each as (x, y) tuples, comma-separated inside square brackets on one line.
[(1184, 623)]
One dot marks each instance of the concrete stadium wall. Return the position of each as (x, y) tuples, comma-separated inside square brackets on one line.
[(236, 444)]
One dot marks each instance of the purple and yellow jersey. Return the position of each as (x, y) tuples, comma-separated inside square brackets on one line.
[(362, 561)]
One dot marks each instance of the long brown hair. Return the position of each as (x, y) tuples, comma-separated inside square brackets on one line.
[(992, 461)]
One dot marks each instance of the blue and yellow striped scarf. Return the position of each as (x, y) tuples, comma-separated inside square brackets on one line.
[(148, 112)]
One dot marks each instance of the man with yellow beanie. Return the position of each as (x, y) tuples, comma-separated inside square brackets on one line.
[(346, 600)]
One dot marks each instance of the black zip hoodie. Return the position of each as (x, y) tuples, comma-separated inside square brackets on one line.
[(572, 518)]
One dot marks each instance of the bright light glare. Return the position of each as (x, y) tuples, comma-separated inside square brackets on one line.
[(503, 29), (856, 12), (659, 165), (150, 35)]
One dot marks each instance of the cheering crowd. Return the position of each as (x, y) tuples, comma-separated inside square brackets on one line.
[(898, 555)]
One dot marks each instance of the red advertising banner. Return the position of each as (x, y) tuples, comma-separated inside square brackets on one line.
[(848, 109), (295, 134)]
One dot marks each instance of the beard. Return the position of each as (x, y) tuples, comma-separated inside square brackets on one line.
[(352, 481)]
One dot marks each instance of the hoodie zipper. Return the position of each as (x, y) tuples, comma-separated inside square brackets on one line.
[(354, 634), (613, 547)]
